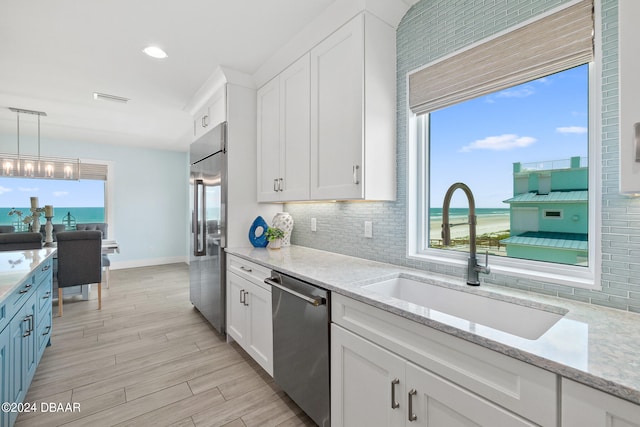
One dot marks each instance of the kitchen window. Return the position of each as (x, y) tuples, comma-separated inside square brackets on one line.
[(74, 201), (517, 132)]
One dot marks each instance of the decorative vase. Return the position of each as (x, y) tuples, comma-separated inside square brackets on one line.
[(258, 233), (284, 221)]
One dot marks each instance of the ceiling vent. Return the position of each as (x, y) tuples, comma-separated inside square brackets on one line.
[(106, 97)]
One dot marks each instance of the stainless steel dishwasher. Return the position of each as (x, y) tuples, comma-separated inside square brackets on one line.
[(301, 344)]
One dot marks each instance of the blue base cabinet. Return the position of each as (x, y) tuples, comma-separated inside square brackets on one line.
[(25, 336)]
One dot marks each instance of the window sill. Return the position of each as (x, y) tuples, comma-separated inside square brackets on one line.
[(560, 274)]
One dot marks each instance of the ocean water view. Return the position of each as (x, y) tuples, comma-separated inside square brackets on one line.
[(80, 215)]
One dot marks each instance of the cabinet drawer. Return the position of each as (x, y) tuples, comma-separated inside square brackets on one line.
[(19, 296), (249, 270), (44, 294), (43, 331), (522, 388), (44, 271)]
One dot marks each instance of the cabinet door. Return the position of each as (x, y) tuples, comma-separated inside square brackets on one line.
[(294, 125), (583, 406), (259, 331), (236, 309), (268, 148), (201, 123), (367, 383), (19, 327), (31, 341), (5, 371), (435, 402), (337, 79)]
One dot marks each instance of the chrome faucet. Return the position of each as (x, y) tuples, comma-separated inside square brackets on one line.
[(472, 267)]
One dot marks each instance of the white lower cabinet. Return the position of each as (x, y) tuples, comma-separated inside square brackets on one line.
[(371, 386), (584, 406), (249, 320), (390, 371)]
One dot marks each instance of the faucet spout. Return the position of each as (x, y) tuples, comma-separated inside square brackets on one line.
[(472, 267)]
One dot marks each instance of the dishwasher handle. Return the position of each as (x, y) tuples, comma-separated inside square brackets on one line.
[(314, 301)]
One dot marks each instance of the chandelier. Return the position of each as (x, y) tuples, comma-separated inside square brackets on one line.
[(32, 166)]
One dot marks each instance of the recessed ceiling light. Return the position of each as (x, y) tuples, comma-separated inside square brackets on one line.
[(155, 52)]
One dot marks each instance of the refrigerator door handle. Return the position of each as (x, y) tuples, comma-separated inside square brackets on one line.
[(199, 225)]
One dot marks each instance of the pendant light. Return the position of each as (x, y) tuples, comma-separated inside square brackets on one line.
[(29, 166)]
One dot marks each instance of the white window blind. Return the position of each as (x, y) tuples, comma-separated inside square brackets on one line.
[(554, 43), (93, 171)]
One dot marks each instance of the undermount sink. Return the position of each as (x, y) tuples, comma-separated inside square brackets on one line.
[(451, 306)]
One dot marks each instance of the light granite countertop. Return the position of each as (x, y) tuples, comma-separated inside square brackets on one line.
[(15, 266), (593, 345)]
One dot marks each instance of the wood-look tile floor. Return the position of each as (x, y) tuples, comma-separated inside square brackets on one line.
[(148, 358)]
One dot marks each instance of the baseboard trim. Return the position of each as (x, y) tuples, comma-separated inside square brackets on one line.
[(147, 262)]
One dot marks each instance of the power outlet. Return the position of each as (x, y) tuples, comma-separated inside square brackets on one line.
[(368, 229), (314, 224)]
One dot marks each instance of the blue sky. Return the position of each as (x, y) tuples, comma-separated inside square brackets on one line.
[(16, 192), (478, 141)]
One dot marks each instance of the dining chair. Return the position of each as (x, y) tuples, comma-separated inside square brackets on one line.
[(7, 229), (104, 228), (20, 241), (79, 261)]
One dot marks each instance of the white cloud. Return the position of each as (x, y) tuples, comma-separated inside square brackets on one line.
[(572, 129), (60, 193), (521, 92), (28, 189), (4, 189), (499, 143)]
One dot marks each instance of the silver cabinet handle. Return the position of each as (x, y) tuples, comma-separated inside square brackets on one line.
[(243, 268), (46, 330), (245, 298), (205, 121), (46, 267), (47, 295), (275, 185), (636, 127), (280, 182), (412, 416), (241, 297), (356, 181), (394, 404)]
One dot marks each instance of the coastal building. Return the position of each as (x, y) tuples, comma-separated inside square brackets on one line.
[(549, 211)]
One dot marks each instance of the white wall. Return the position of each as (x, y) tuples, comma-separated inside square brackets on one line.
[(148, 195)]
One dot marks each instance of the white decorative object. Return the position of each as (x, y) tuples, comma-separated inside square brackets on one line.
[(48, 228), (284, 221), (35, 225)]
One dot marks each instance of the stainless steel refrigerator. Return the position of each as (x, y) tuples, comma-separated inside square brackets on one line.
[(208, 183)]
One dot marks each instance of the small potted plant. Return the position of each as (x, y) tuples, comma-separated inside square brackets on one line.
[(274, 236)]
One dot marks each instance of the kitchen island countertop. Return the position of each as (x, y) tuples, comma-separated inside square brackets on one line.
[(15, 266), (590, 344)]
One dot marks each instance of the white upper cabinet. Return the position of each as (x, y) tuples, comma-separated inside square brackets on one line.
[(628, 12), (326, 124), (211, 115), (353, 113), (283, 135)]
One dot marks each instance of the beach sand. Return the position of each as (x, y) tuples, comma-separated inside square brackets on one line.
[(486, 224)]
